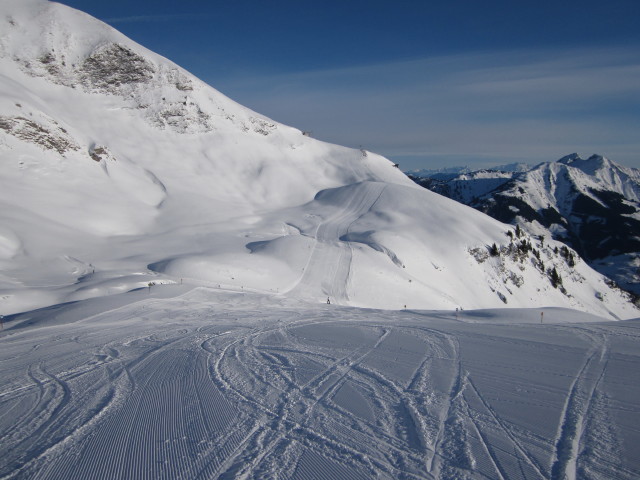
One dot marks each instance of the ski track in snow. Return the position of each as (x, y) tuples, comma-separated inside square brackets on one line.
[(238, 386), (329, 264), (184, 382)]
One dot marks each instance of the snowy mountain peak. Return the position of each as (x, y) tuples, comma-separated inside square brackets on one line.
[(609, 175), (69, 48), (590, 165), (591, 204), (569, 159), (179, 279), (121, 170)]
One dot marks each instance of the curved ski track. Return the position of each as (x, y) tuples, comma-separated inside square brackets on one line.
[(327, 271)]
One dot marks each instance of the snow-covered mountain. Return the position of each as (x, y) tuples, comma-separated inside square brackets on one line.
[(592, 205), (121, 169), (443, 173), (448, 173)]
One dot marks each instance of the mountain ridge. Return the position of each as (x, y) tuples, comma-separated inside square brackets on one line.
[(590, 204), (124, 171)]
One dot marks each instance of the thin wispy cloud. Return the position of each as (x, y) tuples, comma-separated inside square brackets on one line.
[(531, 105), (153, 18)]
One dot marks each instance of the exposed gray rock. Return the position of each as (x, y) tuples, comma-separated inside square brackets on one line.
[(100, 153), (30, 131), (112, 66)]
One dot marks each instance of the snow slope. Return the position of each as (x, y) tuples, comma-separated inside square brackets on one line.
[(182, 248), (198, 383), (119, 169)]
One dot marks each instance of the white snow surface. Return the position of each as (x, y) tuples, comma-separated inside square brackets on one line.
[(184, 382), (119, 168), (165, 260)]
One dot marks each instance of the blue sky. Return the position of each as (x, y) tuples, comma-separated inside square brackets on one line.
[(427, 84)]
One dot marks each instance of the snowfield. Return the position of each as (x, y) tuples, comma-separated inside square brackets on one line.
[(183, 382), (119, 168), (166, 257)]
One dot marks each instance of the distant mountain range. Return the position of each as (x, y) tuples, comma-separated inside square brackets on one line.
[(446, 173), (590, 204)]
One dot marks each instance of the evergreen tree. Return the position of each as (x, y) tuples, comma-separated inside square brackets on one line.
[(556, 279)]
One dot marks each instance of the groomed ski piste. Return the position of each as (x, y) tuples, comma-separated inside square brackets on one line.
[(197, 382)]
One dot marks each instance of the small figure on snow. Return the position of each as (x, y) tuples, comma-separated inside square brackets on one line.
[(328, 301)]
